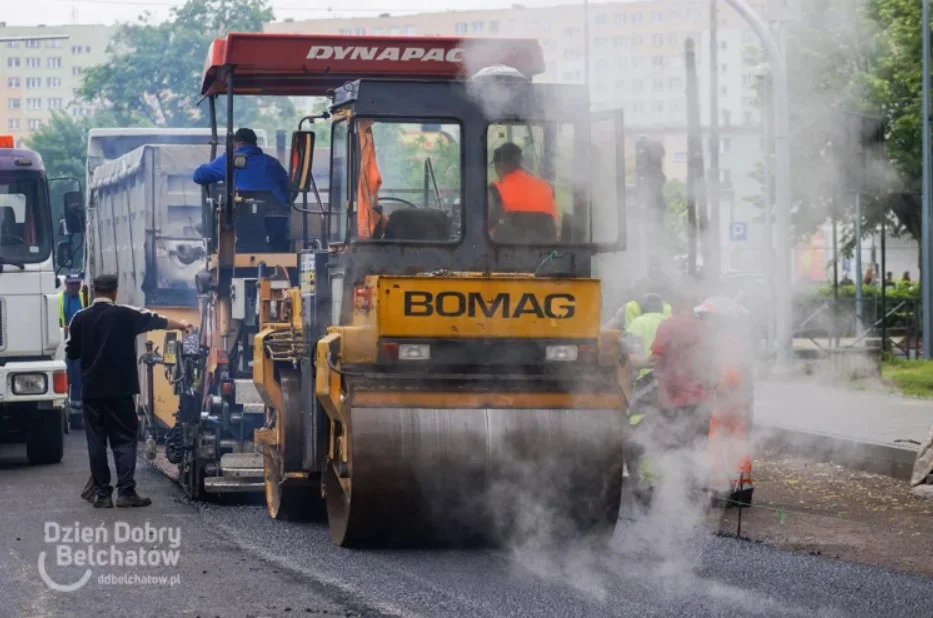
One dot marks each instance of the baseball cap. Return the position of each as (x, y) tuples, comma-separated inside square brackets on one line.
[(74, 277)]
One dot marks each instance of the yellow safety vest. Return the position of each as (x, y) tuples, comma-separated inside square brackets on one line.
[(61, 306)]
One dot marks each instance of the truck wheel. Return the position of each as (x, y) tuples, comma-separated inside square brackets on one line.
[(45, 439)]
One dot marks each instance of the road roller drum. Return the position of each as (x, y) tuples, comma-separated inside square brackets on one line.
[(463, 475)]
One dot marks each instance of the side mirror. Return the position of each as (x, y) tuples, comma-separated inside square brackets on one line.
[(74, 212), (64, 254), (300, 161)]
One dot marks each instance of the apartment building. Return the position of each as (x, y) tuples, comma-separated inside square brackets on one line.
[(637, 62), (40, 71), (636, 50)]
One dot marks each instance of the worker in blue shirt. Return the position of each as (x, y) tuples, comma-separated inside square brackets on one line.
[(70, 302), (262, 172)]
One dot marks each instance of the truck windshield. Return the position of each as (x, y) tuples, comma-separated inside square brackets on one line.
[(25, 220)]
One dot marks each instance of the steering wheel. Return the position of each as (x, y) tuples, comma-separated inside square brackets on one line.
[(398, 199)]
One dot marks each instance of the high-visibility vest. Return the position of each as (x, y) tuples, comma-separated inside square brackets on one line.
[(633, 310), (61, 306), (522, 192)]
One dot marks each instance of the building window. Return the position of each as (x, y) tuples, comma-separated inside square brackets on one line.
[(658, 84), (724, 144), (573, 53), (12, 82), (494, 27), (657, 40), (409, 31), (14, 103), (637, 18), (602, 19), (477, 26), (638, 40), (636, 85), (34, 123), (621, 18), (33, 82), (657, 106), (620, 42), (638, 62), (53, 82), (12, 44), (12, 62), (638, 106), (77, 70), (55, 62), (657, 16), (657, 62), (601, 42), (725, 176), (724, 90), (673, 38), (573, 31), (34, 103), (749, 118), (726, 117), (33, 62), (461, 28), (675, 83), (360, 31), (344, 31), (33, 44), (12, 123), (53, 43), (723, 45), (56, 103)]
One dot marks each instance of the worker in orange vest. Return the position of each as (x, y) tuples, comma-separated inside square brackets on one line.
[(518, 192)]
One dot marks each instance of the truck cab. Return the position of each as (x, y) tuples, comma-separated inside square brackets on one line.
[(33, 380)]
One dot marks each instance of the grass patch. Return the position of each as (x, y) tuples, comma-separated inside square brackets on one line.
[(911, 377)]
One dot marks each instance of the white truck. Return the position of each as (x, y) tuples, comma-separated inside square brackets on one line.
[(33, 378)]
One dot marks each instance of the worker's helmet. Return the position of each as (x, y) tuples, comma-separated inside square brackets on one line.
[(720, 307)]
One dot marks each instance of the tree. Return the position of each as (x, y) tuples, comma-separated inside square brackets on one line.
[(154, 69)]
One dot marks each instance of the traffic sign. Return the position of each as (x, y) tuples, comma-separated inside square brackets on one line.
[(738, 232)]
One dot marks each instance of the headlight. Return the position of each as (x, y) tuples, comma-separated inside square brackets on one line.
[(414, 351), (30, 384), (560, 353)]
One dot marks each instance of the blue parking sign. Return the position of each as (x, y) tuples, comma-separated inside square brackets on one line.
[(738, 232)]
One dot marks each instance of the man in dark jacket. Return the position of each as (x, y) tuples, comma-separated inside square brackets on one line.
[(103, 337)]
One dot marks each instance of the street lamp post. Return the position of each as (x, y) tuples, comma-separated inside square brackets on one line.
[(586, 46), (926, 275), (781, 126)]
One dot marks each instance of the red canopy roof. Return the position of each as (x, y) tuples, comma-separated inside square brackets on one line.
[(312, 64)]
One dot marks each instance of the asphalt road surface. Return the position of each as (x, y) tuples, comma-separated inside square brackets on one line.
[(235, 562)]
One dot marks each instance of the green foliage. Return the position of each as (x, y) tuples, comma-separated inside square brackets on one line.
[(62, 143), (911, 377), (900, 291), (153, 74)]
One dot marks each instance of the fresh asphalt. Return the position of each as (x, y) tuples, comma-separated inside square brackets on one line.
[(235, 562)]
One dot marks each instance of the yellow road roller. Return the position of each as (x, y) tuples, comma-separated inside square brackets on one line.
[(436, 370)]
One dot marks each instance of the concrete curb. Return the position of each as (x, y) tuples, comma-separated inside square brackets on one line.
[(887, 459)]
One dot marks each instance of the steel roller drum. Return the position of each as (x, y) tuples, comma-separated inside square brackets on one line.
[(465, 475)]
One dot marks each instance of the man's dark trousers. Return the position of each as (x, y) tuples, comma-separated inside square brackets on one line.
[(112, 419)]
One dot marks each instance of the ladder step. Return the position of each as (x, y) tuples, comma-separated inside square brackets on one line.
[(225, 484)]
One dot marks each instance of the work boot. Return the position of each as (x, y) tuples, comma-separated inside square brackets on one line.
[(103, 501), (132, 500)]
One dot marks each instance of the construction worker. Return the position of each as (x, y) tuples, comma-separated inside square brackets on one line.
[(518, 191), (679, 356), (262, 172), (103, 339), (70, 302), (627, 313), (727, 324)]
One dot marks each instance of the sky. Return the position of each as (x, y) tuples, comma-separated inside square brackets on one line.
[(56, 12)]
